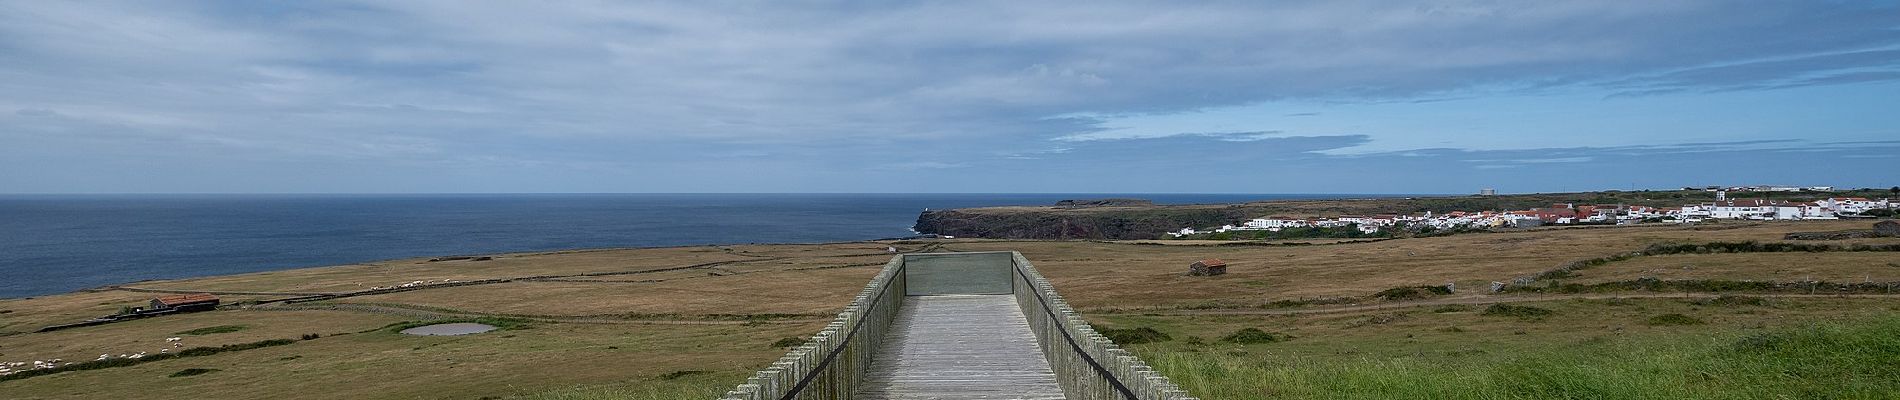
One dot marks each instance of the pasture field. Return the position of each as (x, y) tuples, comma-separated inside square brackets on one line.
[(688, 322)]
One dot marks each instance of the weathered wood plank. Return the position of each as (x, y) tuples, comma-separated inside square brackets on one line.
[(960, 347)]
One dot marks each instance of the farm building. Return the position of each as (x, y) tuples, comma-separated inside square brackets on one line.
[(186, 302), (1208, 267)]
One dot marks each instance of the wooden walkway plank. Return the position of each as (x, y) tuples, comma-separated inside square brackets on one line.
[(949, 347)]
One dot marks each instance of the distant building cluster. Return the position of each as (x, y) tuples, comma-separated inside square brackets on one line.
[(1565, 214)]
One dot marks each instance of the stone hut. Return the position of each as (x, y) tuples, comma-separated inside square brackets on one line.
[(1208, 267), (186, 302), (1887, 228)]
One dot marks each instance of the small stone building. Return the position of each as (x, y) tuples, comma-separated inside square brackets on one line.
[(186, 302), (1208, 267), (1887, 228)]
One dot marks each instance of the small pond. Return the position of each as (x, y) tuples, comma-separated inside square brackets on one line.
[(452, 329)]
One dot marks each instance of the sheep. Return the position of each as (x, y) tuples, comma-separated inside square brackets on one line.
[(173, 339)]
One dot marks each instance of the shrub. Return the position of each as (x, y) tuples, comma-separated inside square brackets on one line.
[(193, 372), (1674, 320), (789, 342), (1507, 310), (681, 374), (1412, 292), (309, 336), (1250, 336), (1729, 300), (210, 330), (1134, 335), (1451, 308)]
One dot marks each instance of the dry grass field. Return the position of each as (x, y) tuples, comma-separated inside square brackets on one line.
[(687, 322)]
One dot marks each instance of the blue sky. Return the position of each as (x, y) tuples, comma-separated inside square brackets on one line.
[(1007, 96)]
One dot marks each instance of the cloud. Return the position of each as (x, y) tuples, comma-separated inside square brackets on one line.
[(438, 88)]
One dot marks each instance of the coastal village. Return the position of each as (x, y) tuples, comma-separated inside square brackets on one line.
[(1584, 214)]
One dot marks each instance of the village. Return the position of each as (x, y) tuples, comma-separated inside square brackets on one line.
[(1723, 208)]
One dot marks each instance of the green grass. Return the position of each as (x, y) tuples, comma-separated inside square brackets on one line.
[(1826, 361), (671, 386), (1674, 320), (212, 330)]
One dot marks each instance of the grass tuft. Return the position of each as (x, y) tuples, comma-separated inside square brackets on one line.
[(681, 374), (1250, 336), (1507, 310), (1451, 308), (788, 342), (1127, 336)]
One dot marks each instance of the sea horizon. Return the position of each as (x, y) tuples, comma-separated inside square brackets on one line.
[(57, 243)]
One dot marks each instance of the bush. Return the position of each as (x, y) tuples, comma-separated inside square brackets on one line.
[(1134, 335), (1411, 292), (1507, 310), (193, 372), (1729, 300), (681, 374), (1250, 336), (1674, 320), (788, 342), (1451, 308)]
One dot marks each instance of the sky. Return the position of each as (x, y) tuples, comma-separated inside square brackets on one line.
[(560, 96)]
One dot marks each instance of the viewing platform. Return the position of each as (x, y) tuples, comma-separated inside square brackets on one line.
[(948, 326)]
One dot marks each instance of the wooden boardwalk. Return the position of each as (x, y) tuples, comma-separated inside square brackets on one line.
[(960, 347)]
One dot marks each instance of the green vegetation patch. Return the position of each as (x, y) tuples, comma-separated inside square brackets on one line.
[(500, 323), (1829, 361), (1250, 336), (193, 372), (1674, 320), (1412, 292), (1451, 308), (789, 342), (1507, 310), (1729, 300), (1139, 335), (681, 374), (212, 330)]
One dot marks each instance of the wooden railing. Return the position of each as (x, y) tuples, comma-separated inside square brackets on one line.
[(832, 364)]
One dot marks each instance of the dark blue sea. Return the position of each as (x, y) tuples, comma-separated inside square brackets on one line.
[(59, 243)]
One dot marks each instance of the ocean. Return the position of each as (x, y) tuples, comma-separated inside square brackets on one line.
[(59, 243)]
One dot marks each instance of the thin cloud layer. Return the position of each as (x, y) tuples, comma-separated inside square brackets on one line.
[(606, 96)]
